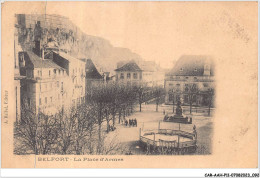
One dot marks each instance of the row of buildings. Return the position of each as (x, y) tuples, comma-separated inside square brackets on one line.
[(191, 79), (48, 79)]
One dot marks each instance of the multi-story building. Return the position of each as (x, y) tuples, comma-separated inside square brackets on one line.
[(191, 76), (153, 74), (43, 89), (75, 69), (93, 76), (17, 75), (129, 74)]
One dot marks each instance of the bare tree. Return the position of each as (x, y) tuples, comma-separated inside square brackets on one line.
[(141, 91), (210, 95), (191, 91), (36, 133), (158, 94)]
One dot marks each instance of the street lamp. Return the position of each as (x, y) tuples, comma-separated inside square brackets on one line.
[(171, 91)]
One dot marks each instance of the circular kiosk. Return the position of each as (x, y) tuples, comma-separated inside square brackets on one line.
[(167, 141)]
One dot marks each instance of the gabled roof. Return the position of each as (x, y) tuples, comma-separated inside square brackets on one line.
[(131, 66), (37, 62), (68, 57), (91, 70), (192, 65)]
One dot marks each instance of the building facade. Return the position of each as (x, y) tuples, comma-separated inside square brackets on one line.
[(93, 76), (153, 74), (43, 89), (191, 80), (75, 69), (129, 74)]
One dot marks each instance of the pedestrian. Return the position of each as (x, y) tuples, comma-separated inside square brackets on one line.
[(130, 122), (126, 123), (135, 122)]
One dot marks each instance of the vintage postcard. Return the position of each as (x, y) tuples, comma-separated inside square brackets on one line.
[(129, 84)]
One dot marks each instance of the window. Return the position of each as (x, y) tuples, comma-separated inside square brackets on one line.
[(195, 78), (59, 71), (49, 73), (195, 69), (51, 99), (54, 71), (40, 101), (135, 75), (128, 75), (122, 76), (181, 69), (58, 84), (46, 100), (61, 85), (187, 77)]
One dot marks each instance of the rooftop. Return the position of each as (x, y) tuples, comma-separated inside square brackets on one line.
[(131, 66), (91, 70), (68, 57), (192, 65), (37, 62)]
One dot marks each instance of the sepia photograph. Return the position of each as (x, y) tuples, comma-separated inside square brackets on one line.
[(69, 101), (124, 83)]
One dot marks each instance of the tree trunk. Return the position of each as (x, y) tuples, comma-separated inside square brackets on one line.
[(90, 139), (99, 138), (140, 107), (114, 117), (157, 107), (124, 114), (190, 107), (107, 118), (107, 125), (119, 117), (209, 111)]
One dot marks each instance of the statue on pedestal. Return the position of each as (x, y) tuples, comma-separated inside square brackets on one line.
[(178, 109)]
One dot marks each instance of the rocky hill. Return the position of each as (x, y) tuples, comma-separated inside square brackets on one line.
[(58, 31)]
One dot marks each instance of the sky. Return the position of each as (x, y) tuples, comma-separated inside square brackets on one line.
[(163, 31)]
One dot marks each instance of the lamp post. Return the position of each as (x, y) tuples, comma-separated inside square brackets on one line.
[(210, 96), (172, 92)]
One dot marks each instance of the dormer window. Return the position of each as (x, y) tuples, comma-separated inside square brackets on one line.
[(181, 69), (195, 69)]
